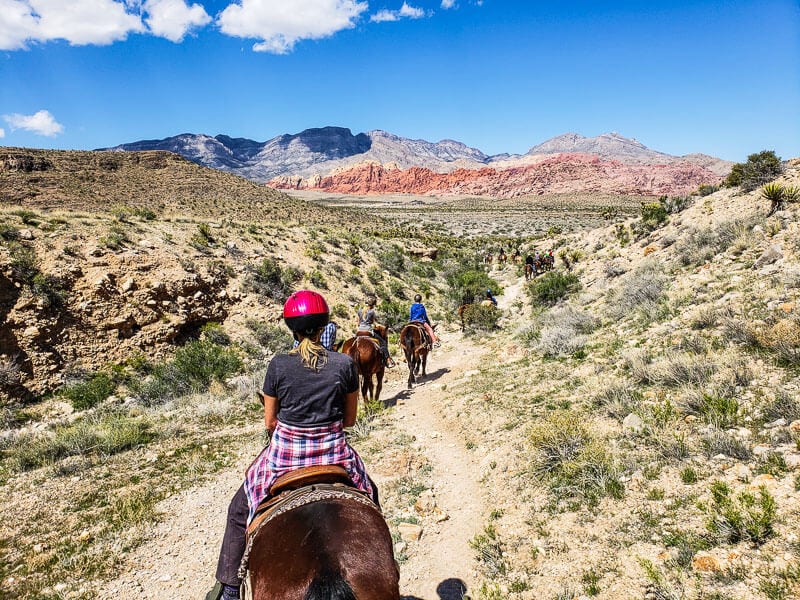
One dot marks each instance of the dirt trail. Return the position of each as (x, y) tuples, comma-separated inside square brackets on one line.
[(179, 559)]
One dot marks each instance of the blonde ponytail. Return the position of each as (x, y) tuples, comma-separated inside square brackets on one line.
[(312, 353)]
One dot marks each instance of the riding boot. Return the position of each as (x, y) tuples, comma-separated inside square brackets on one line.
[(233, 542), (387, 360)]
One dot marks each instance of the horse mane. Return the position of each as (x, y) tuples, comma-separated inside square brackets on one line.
[(329, 585)]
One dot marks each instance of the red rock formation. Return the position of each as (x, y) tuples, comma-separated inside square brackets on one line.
[(561, 173)]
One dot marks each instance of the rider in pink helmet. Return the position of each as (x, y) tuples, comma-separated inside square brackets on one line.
[(309, 396)]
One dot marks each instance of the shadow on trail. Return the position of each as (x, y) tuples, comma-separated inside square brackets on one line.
[(434, 375), (449, 589), (401, 395)]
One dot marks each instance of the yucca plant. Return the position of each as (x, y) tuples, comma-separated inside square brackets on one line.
[(791, 193), (775, 193)]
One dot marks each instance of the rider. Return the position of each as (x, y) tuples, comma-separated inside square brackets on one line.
[(418, 313), (366, 322), (490, 297), (529, 260), (309, 396)]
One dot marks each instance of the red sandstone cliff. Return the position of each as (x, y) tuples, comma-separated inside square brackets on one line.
[(561, 173)]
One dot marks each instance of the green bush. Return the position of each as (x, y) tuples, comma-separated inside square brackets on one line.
[(490, 552), (192, 369), (574, 462), (467, 282), (269, 279), (480, 318), (392, 260), (89, 393), (23, 262), (706, 189), (653, 214), (275, 338), (760, 168), (740, 517), (551, 287), (214, 333)]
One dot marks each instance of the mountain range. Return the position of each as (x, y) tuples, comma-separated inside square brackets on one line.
[(311, 157)]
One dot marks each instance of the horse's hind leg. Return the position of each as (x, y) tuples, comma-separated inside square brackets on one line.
[(424, 363), (378, 385)]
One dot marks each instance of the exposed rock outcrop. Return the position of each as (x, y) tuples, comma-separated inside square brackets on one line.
[(562, 173)]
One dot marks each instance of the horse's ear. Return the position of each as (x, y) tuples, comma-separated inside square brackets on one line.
[(434, 326)]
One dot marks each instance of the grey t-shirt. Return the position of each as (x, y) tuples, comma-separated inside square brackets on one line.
[(308, 398)]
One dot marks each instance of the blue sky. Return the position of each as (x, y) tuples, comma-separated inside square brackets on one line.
[(719, 77)]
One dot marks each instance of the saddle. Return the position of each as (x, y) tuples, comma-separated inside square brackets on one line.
[(281, 490), (423, 332)]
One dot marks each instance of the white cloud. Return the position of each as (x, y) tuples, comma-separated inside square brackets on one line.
[(173, 19), (2, 132), (79, 22), (405, 11), (448, 4), (411, 12), (280, 23), (41, 123), (384, 15)]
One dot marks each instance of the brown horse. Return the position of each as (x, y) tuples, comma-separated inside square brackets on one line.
[(333, 548), (487, 259), (529, 272), (415, 345), (501, 259), (366, 353)]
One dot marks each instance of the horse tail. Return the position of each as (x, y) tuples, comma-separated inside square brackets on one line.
[(329, 586)]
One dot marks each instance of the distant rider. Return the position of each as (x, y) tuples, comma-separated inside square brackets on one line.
[(367, 322), (419, 314)]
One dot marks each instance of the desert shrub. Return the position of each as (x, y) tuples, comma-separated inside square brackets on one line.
[(760, 168), (271, 280), (676, 369), (551, 287), (701, 245), (574, 462), (275, 338), (675, 204), (393, 313), (397, 289), (48, 288), (490, 552), (653, 215), (317, 279), (719, 442), (89, 393), (374, 275), (784, 405), (563, 331), (8, 233), (619, 399), (192, 369), (639, 292), (392, 260), (23, 262), (214, 333), (100, 435), (26, 216), (706, 190), (480, 318), (116, 238), (467, 282), (740, 517), (614, 269)]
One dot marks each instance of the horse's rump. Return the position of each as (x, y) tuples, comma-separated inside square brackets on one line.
[(335, 547)]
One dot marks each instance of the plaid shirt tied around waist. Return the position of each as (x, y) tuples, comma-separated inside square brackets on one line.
[(292, 448)]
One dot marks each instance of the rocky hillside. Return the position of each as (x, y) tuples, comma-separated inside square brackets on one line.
[(558, 174), (106, 255)]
